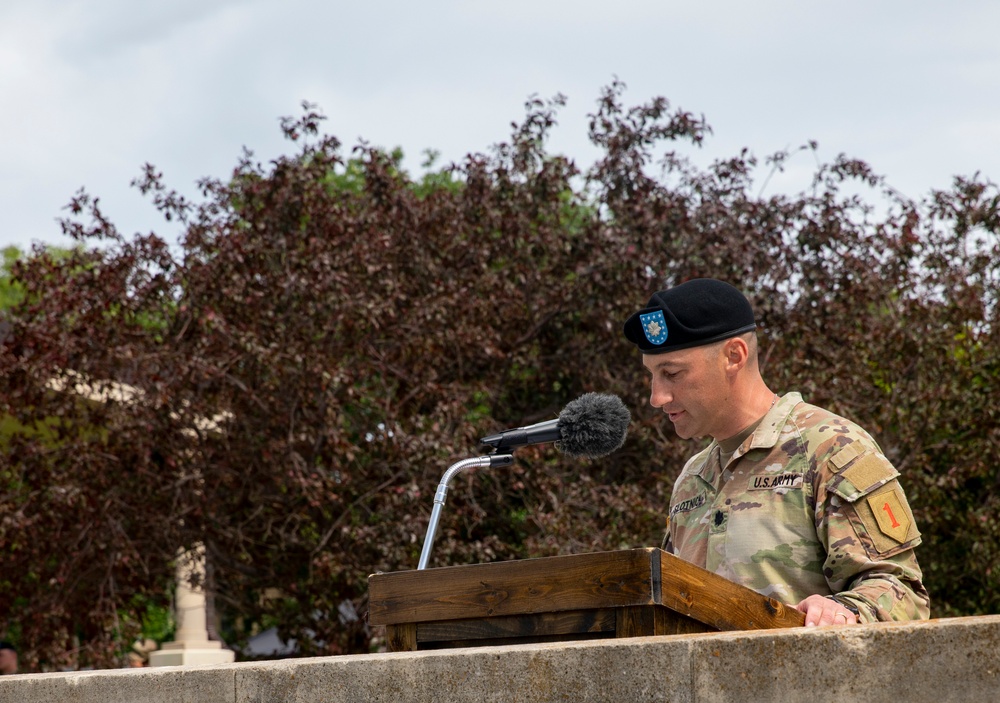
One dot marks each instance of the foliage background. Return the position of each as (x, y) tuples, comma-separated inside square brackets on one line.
[(288, 384)]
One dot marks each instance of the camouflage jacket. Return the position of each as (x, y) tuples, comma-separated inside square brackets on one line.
[(806, 505)]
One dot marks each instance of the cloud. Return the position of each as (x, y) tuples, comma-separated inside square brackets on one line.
[(95, 88)]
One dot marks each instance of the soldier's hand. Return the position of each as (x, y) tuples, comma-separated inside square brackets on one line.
[(821, 611)]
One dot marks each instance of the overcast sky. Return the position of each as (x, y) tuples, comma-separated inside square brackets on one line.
[(90, 90)]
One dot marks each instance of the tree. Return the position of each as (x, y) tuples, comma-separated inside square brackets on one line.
[(9, 293), (331, 334)]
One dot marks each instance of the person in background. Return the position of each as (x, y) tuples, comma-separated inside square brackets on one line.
[(8, 658), (787, 499), (141, 649)]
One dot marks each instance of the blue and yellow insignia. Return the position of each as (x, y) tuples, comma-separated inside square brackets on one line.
[(654, 326)]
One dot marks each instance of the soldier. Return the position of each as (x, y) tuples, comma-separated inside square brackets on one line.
[(788, 499)]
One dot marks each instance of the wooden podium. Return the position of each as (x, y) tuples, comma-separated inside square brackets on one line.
[(628, 593)]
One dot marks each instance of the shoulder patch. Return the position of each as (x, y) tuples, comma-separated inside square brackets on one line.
[(893, 521), (888, 523)]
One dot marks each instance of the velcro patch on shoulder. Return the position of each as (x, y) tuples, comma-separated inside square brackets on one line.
[(866, 474), (844, 456), (870, 471)]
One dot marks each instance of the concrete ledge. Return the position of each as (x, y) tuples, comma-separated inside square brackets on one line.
[(939, 660)]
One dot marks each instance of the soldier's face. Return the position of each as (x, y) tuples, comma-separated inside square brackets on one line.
[(690, 387)]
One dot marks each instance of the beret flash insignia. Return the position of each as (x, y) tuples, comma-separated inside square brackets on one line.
[(654, 325)]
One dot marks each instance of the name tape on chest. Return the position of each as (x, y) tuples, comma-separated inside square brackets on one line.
[(686, 506), (769, 482)]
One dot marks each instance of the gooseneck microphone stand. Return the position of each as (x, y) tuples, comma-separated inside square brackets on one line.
[(490, 461)]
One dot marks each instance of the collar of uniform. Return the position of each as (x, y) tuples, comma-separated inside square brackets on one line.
[(702, 465), (769, 430), (764, 437)]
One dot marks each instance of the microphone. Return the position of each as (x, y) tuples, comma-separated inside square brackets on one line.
[(593, 425)]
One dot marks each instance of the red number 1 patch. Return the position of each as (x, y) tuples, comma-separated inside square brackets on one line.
[(888, 508), (892, 518)]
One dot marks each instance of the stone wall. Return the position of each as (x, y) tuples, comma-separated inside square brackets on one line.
[(936, 661)]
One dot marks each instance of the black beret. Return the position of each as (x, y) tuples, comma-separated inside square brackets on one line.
[(698, 312)]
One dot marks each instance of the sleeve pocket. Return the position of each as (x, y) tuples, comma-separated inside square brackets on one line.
[(876, 506)]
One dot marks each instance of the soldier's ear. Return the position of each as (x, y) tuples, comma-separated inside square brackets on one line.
[(737, 352)]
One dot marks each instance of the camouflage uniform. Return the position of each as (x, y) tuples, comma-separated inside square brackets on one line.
[(806, 505)]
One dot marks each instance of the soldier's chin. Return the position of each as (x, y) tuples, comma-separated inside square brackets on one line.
[(684, 433)]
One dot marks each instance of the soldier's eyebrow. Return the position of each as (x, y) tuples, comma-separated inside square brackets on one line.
[(673, 364)]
